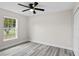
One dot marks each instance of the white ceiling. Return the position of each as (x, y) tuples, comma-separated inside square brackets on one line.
[(48, 6)]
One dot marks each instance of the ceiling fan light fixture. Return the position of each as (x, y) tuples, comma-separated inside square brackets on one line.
[(31, 10)]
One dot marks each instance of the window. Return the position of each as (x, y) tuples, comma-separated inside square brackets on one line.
[(10, 29)]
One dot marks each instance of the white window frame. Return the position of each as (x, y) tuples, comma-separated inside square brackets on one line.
[(16, 29)]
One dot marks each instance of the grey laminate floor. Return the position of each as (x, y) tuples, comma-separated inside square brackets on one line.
[(35, 49)]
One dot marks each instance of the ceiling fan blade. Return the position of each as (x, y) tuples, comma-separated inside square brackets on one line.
[(22, 5), (25, 10), (34, 12), (39, 9), (35, 4)]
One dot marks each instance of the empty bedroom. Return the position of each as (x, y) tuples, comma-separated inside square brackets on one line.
[(39, 28)]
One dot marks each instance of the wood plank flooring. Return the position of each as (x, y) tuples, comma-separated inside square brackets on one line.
[(35, 49)]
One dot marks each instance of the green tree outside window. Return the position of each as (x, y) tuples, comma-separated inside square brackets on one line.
[(9, 25)]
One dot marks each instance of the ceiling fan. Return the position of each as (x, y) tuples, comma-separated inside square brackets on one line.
[(32, 7)]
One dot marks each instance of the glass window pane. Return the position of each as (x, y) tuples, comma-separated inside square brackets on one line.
[(9, 29)]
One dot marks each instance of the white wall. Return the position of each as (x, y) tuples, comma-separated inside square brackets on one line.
[(22, 28), (53, 29)]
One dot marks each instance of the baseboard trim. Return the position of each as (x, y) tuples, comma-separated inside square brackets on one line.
[(14, 45), (52, 45)]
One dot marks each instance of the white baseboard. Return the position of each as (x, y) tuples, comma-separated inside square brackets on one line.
[(52, 45)]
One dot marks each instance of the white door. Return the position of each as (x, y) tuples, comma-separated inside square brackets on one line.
[(76, 33)]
